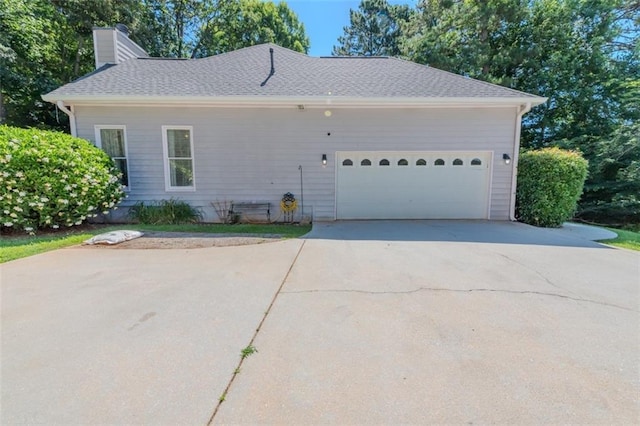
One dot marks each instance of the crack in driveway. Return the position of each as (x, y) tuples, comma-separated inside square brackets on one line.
[(471, 290), (535, 271), (255, 334)]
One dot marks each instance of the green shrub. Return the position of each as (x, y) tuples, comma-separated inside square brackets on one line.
[(550, 182), (165, 212), (51, 179)]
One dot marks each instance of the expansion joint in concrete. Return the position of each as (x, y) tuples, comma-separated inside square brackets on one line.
[(255, 334)]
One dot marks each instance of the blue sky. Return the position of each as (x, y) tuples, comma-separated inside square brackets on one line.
[(324, 20)]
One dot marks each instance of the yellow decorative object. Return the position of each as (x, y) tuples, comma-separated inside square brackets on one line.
[(288, 206)]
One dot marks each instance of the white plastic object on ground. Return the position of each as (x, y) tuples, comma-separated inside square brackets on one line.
[(114, 237)]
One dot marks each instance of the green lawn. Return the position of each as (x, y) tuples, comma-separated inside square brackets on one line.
[(18, 246), (626, 239)]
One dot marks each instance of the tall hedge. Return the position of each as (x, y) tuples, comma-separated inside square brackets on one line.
[(550, 182), (50, 179)]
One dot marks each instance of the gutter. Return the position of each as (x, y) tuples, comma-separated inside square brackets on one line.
[(522, 110), (290, 101), (72, 117)]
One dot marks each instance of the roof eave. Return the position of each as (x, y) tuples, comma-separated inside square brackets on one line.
[(287, 101)]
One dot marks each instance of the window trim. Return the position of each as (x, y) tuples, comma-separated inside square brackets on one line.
[(122, 127), (165, 158)]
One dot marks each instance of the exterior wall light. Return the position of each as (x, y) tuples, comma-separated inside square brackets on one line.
[(324, 160), (506, 158)]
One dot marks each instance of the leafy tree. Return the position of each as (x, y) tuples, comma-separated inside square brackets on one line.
[(375, 29), (47, 43), (583, 55), (28, 61), (169, 28), (612, 193), (193, 28), (249, 22), (79, 20), (44, 44), (562, 49), (480, 39)]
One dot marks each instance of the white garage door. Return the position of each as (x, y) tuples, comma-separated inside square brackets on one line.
[(413, 185)]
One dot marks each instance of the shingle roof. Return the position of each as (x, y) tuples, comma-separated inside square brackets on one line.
[(242, 73)]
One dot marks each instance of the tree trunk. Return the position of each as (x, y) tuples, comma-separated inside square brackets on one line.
[(3, 117), (76, 65)]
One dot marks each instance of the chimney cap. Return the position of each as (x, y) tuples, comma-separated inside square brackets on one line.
[(122, 28)]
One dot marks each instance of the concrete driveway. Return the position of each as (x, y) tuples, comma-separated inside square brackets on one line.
[(371, 322)]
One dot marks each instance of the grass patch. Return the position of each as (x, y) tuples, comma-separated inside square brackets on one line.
[(12, 248), (16, 246), (626, 239)]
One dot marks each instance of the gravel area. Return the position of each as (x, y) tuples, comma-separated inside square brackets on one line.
[(186, 240)]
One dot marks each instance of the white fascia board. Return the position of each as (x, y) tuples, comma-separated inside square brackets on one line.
[(287, 101)]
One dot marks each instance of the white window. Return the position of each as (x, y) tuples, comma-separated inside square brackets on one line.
[(113, 141), (177, 144)]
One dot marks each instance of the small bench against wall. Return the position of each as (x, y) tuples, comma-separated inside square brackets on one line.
[(245, 209)]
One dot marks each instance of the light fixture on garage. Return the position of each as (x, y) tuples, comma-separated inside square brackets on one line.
[(506, 158), (328, 113), (324, 160)]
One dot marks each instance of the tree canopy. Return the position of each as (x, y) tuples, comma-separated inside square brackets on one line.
[(375, 29), (47, 43), (584, 55)]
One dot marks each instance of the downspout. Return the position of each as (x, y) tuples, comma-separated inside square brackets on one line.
[(522, 110), (72, 117)]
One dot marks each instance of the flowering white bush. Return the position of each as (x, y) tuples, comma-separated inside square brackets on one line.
[(50, 179)]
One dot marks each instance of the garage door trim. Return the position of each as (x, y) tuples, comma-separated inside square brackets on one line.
[(474, 186)]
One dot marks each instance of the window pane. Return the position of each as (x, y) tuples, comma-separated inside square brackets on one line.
[(121, 164), (181, 172), (179, 143), (112, 141)]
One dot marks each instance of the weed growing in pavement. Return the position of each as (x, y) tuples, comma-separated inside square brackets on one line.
[(249, 350)]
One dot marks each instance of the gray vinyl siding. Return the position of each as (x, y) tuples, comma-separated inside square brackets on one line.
[(113, 47), (105, 50), (246, 154), (127, 49)]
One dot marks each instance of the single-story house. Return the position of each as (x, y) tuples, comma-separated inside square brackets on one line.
[(350, 137)]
